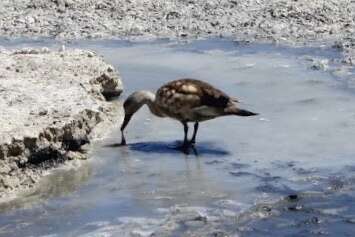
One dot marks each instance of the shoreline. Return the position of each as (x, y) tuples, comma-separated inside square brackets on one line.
[(275, 21), (39, 131)]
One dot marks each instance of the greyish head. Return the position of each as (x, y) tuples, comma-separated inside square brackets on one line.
[(132, 104)]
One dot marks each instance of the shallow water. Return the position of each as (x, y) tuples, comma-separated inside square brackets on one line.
[(245, 170)]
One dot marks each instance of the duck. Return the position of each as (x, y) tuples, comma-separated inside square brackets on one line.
[(185, 100)]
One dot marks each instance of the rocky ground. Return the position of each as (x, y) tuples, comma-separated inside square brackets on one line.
[(285, 21), (51, 103)]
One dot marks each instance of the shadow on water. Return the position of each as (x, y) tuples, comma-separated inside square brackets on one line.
[(161, 147), (274, 175)]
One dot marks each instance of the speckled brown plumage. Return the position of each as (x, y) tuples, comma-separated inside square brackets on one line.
[(186, 100), (180, 99), (196, 91)]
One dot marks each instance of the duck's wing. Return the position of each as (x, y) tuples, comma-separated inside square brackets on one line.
[(208, 95), (191, 93)]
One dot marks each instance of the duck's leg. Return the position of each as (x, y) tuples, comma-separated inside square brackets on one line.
[(193, 139), (185, 145), (186, 129)]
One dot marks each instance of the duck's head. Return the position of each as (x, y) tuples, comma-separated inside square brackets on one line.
[(132, 104)]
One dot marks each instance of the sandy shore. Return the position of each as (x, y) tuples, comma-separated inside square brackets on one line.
[(53, 101)]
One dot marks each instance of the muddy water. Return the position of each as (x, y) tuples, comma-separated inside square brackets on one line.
[(287, 172)]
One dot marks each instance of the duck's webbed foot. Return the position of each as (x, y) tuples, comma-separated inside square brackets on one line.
[(187, 147)]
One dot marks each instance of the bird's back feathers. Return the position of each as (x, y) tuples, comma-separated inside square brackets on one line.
[(194, 93), (193, 100)]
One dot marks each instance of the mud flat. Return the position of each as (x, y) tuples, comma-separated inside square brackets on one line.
[(287, 22), (52, 102)]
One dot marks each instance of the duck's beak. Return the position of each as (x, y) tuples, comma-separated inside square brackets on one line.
[(126, 120)]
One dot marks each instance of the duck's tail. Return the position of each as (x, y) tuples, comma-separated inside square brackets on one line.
[(243, 112), (240, 112)]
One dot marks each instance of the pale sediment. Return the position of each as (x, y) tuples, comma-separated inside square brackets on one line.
[(51, 102), (291, 22)]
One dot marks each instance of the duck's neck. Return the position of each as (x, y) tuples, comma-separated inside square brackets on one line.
[(135, 101), (148, 98)]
